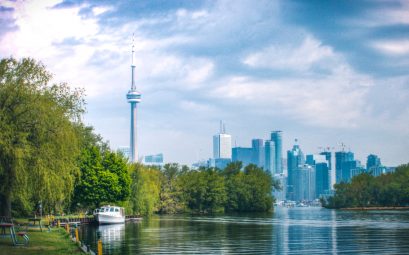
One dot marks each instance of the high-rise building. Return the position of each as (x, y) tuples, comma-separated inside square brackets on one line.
[(342, 168), (269, 160), (328, 157), (276, 137), (222, 144), (372, 161), (242, 154), (133, 97), (322, 173), (295, 158), (304, 183), (258, 152)]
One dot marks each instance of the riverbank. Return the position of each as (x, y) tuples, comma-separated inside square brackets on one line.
[(376, 208), (46, 243)]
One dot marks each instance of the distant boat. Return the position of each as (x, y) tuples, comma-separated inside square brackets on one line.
[(108, 214)]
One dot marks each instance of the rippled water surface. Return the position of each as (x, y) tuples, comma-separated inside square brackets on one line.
[(286, 231)]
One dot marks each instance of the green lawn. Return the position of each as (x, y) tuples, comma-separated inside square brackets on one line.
[(55, 242)]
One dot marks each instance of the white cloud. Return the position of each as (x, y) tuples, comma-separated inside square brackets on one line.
[(292, 56), (396, 48), (334, 98)]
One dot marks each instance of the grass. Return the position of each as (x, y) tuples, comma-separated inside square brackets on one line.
[(55, 242)]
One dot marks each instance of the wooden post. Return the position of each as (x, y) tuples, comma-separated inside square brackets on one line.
[(99, 247), (58, 223), (76, 235)]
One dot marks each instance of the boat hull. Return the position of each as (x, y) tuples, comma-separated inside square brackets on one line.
[(109, 219)]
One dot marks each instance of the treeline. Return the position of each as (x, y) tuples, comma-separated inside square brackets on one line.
[(365, 190), (175, 189), (50, 159)]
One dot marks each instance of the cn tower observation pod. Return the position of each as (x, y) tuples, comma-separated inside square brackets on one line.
[(133, 96)]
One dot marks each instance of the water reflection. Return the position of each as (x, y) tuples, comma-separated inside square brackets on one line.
[(111, 235), (286, 231)]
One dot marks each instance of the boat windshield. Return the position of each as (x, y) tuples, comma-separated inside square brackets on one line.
[(112, 209)]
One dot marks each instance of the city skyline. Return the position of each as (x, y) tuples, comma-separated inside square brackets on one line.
[(259, 66)]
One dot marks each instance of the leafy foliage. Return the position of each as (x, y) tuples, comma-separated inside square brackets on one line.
[(145, 190), (104, 178), (38, 139), (390, 189)]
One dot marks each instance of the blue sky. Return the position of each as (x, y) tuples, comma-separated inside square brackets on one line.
[(325, 72)]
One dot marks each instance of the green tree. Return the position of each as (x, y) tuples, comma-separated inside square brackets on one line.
[(170, 194), (104, 179), (38, 139), (204, 190), (145, 190), (364, 190)]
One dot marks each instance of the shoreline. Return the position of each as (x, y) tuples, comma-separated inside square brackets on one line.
[(377, 208)]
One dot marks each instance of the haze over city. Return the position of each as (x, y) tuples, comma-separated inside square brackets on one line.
[(257, 65)]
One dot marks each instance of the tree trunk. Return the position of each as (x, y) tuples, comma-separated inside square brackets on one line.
[(5, 205)]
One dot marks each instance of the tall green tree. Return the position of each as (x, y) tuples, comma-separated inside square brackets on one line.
[(145, 190), (170, 194), (39, 144), (104, 179)]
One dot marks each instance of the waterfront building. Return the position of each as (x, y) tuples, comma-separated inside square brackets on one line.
[(276, 137), (258, 152), (269, 161), (125, 151), (295, 158), (322, 173), (328, 157), (350, 169), (156, 160), (222, 144), (133, 97), (304, 183), (245, 155), (341, 167)]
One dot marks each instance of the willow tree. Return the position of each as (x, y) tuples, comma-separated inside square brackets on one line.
[(39, 141)]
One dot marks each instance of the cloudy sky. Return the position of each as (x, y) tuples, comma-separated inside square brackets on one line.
[(325, 72)]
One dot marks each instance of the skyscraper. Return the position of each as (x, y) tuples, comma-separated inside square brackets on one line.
[(258, 152), (133, 97), (295, 158), (304, 183), (276, 137), (269, 161), (341, 167), (242, 154), (322, 173), (328, 157), (372, 161), (222, 144)]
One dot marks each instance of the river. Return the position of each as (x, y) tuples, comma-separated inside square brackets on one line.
[(285, 231)]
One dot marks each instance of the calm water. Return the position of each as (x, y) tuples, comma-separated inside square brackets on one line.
[(286, 231)]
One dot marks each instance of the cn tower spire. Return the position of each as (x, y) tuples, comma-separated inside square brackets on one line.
[(133, 87), (133, 97)]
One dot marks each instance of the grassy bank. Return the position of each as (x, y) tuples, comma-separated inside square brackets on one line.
[(55, 242)]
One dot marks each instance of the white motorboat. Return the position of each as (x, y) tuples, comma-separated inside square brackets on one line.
[(109, 214)]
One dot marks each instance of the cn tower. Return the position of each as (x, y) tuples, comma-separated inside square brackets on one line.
[(133, 97)]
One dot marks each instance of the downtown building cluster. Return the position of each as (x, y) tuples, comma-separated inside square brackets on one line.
[(303, 177)]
